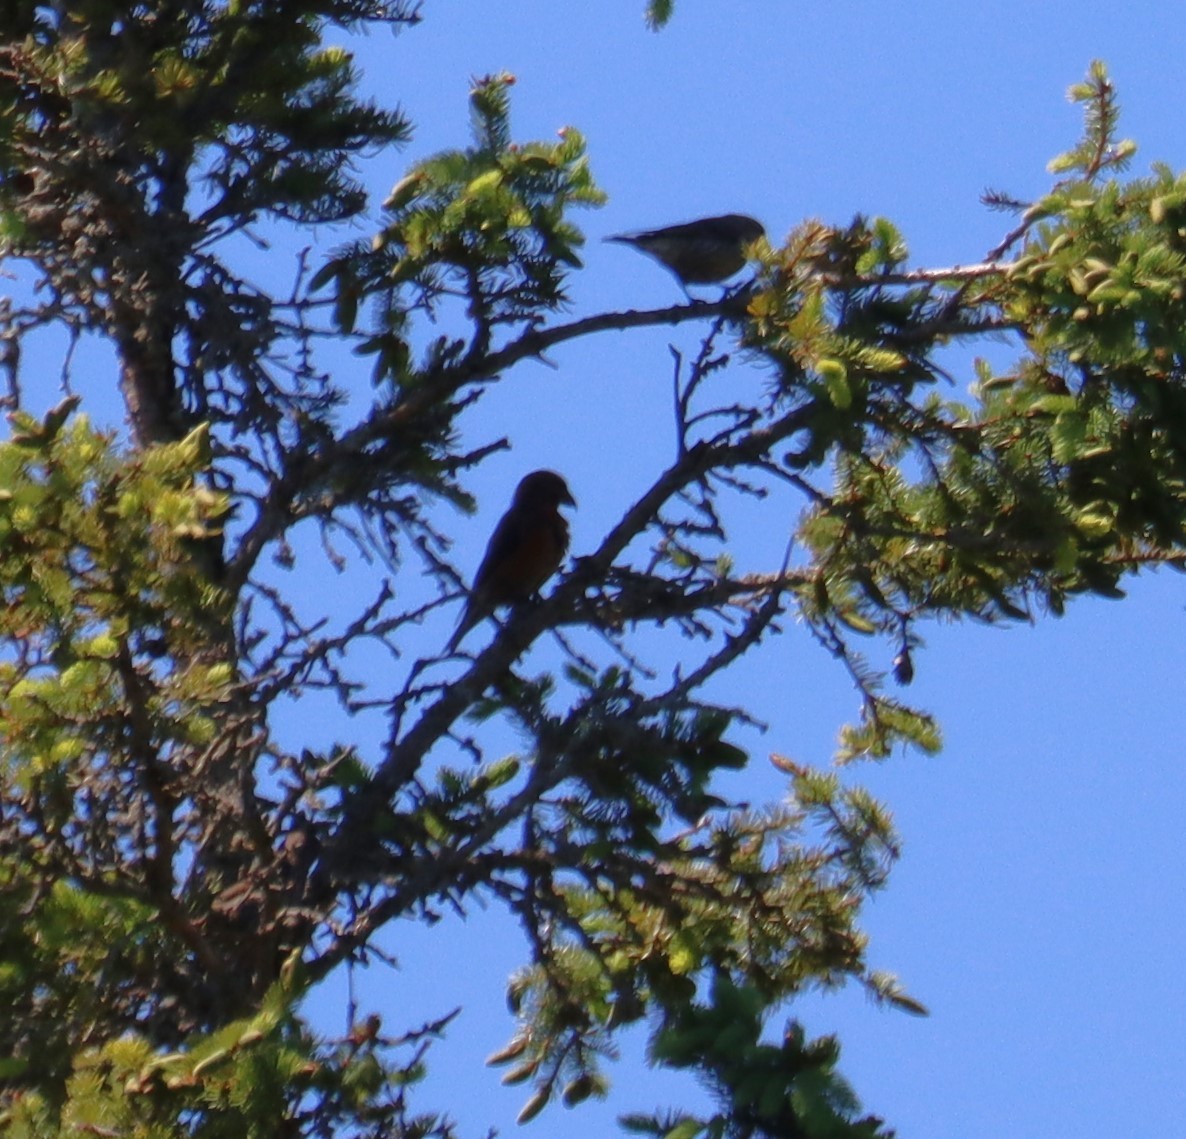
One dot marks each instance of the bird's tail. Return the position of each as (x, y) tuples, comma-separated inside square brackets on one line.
[(469, 618)]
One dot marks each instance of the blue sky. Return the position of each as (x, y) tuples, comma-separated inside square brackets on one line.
[(1038, 907)]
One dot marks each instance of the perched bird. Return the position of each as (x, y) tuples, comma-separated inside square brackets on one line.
[(703, 252), (526, 548)]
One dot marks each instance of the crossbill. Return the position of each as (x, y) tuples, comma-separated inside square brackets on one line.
[(526, 548), (703, 252)]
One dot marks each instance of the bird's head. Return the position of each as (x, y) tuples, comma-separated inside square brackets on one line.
[(744, 229), (544, 489)]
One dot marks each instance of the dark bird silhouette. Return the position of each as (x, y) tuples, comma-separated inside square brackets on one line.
[(526, 548), (703, 252)]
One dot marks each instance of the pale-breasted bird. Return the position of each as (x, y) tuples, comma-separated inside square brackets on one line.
[(526, 548), (703, 252)]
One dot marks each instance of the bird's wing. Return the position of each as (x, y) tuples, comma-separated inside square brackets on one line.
[(513, 529), (501, 546)]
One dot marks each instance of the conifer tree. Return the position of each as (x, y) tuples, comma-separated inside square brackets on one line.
[(176, 878)]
